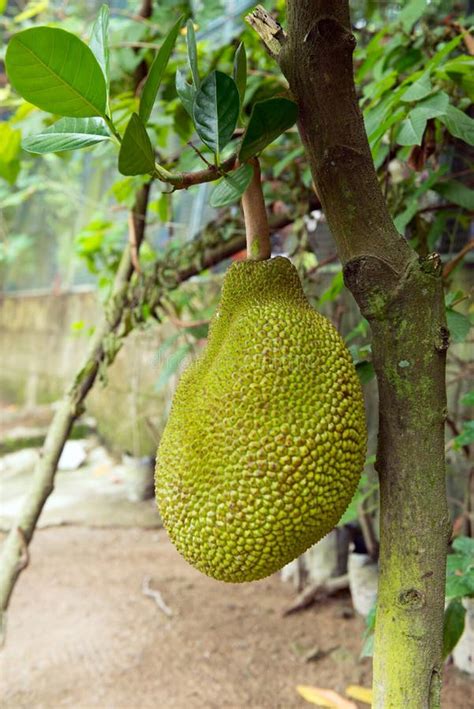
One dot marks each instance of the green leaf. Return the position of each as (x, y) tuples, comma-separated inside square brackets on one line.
[(155, 75), (466, 437), (412, 205), (10, 142), (335, 287), (98, 42), (68, 134), (412, 128), (136, 156), (268, 120), (411, 13), (365, 371), (185, 91), (458, 325), (453, 626), (465, 545), (33, 8), (240, 71), (433, 106), (55, 71), (468, 400), (459, 124), (216, 110), (418, 89), (192, 53), (457, 192), (287, 160), (232, 186)]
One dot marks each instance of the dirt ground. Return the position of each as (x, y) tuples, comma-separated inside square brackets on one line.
[(82, 634)]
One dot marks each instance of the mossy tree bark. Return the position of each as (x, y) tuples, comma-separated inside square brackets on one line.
[(402, 297)]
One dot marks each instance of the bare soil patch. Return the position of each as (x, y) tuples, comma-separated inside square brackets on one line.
[(82, 634)]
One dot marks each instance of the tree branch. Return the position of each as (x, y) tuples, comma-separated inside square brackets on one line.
[(451, 265)]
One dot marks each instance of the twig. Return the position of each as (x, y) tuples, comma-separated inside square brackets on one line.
[(190, 324), (370, 540), (198, 152), (132, 240), (156, 596), (324, 262), (451, 265), (183, 180), (318, 590), (24, 559)]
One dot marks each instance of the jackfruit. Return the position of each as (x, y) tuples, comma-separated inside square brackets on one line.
[(266, 437)]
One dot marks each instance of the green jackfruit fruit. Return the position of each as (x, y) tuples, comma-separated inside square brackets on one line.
[(266, 437)]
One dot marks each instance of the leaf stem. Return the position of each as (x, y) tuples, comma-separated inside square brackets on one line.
[(112, 128)]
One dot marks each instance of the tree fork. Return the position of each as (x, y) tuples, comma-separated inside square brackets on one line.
[(402, 297)]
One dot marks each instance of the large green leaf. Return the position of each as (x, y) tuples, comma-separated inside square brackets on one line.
[(268, 120), (232, 186), (453, 626), (98, 42), (420, 88), (411, 13), (412, 128), (136, 156), (55, 71), (458, 325), (68, 134), (465, 545), (216, 110), (192, 53), (155, 75), (457, 192), (459, 124), (185, 91), (433, 106), (240, 71)]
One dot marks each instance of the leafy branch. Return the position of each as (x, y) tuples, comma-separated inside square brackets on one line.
[(50, 80)]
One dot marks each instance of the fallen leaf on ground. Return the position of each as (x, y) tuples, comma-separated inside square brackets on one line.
[(363, 694), (324, 697)]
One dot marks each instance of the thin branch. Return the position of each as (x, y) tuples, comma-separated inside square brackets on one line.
[(318, 590), (148, 591), (199, 154), (132, 241), (325, 262), (451, 265), (183, 180)]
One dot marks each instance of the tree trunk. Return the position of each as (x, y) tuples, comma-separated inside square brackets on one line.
[(402, 297)]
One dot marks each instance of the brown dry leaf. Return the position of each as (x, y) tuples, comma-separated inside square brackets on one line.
[(362, 694), (469, 42), (324, 697)]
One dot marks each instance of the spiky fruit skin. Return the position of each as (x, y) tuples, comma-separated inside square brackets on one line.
[(266, 437)]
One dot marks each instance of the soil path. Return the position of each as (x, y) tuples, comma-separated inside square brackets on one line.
[(82, 634)]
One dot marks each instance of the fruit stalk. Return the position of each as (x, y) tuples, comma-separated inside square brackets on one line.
[(255, 215)]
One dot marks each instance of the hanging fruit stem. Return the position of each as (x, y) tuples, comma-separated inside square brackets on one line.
[(255, 215)]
